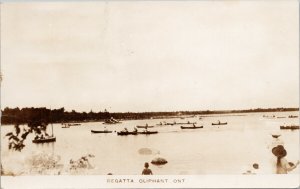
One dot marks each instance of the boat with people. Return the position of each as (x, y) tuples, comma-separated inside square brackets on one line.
[(148, 132), (219, 123), (187, 123), (45, 140), (73, 124), (291, 127), (194, 127), (144, 127), (105, 131), (122, 133), (41, 138), (292, 116), (65, 126)]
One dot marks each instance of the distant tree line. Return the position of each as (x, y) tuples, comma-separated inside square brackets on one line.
[(36, 116)]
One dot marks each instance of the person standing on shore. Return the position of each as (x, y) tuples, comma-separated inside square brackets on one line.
[(147, 171)]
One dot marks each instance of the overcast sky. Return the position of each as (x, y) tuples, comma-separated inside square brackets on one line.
[(150, 56)]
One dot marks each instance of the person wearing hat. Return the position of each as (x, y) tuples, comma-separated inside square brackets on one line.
[(147, 171), (282, 165)]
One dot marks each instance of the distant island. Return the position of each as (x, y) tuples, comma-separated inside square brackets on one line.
[(44, 115)]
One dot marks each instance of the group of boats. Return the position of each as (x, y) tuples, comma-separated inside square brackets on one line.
[(111, 121), (147, 132), (279, 117)]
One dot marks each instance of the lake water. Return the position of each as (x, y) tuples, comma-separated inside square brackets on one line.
[(228, 149)]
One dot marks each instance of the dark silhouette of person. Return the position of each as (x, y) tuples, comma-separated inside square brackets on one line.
[(282, 165), (147, 171)]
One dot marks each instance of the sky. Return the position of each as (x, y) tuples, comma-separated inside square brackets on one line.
[(150, 56)]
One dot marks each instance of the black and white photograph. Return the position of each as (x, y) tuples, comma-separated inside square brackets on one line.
[(137, 91)]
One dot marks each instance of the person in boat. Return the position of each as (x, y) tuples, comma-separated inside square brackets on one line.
[(146, 130), (146, 170), (194, 125), (125, 130), (135, 129), (282, 165), (219, 121), (105, 129)]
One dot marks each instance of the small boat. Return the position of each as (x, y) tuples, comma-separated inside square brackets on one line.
[(292, 116), (195, 127), (74, 124), (275, 136), (45, 140), (225, 123), (292, 127), (94, 131), (127, 133), (187, 123), (145, 126), (170, 123), (148, 132), (65, 126)]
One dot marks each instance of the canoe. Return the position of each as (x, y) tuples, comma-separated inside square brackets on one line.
[(126, 133), (219, 123), (144, 127), (74, 124), (94, 131), (110, 123), (148, 132), (199, 127), (44, 140), (289, 127), (187, 123)]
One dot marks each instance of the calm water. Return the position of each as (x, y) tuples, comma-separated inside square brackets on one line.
[(229, 149)]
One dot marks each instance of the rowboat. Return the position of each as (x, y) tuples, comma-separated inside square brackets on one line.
[(144, 127), (199, 127), (126, 133), (45, 140), (94, 131), (219, 123), (148, 132)]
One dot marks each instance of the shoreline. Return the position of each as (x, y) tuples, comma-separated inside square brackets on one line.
[(186, 114)]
